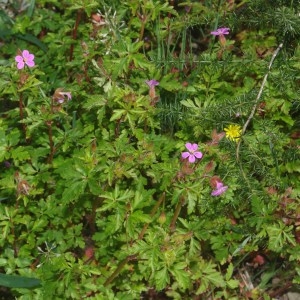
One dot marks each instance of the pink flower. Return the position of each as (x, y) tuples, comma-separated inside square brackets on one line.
[(64, 94), (193, 153), (221, 31), (152, 83), (26, 58), (220, 189)]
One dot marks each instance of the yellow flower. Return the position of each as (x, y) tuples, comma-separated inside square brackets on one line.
[(233, 132)]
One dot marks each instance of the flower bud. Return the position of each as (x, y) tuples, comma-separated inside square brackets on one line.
[(162, 218)]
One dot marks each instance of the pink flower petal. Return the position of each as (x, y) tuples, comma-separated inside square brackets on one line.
[(225, 30), (185, 154), (29, 57), (18, 58), (216, 193), (30, 63), (219, 184), (219, 191), (198, 154), (25, 53), (221, 31), (214, 33), (152, 83), (69, 96), (20, 65), (192, 159), (194, 147), (61, 100), (189, 146)]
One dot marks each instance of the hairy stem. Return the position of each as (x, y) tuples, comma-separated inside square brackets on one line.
[(121, 265), (22, 113), (176, 214), (153, 212), (51, 143)]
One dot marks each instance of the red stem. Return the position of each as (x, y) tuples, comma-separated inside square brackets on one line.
[(22, 113), (74, 32), (153, 212), (176, 214), (52, 149)]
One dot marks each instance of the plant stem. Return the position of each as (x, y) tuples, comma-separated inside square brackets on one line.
[(153, 212), (142, 30), (176, 214), (119, 269), (51, 144), (22, 113), (74, 32)]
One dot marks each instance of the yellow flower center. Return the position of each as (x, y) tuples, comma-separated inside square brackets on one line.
[(233, 132)]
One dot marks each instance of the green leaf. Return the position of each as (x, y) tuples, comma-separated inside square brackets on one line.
[(117, 114), (20, 154), (73, 191), (33, 40), (232, 283), (140, 61), (215, 278), (14, 281), (293, 166), (3, 262), (190, 103), (139, 216), (287, 119), (279, 235), (192, 198), (181, 275), (209, 276), (39, 225), (229, 272), (162, 278), (170, 84), (94, 186)]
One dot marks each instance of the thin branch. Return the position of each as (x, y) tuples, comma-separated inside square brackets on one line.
[(257, 100)]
